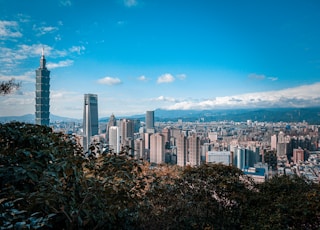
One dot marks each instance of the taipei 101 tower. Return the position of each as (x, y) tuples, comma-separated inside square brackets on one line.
[(42, 93)]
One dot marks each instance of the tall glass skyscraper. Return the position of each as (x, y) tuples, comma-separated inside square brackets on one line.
[(90, 118), (42, 93), (150, 121)]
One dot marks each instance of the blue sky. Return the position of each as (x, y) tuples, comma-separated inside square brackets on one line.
[(140, 55)]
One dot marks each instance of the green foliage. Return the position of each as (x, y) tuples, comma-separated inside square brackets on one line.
[(47, 182), (66, 188), (6, 87), (38, 166), (209, 196), (270, 157), (284, 202)]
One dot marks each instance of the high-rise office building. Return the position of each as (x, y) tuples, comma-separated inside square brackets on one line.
[(282, 145), (193, 153), (150, 122), (112, 122), (139, 148), (157, 144), (137, 125), (42, 93), (240, 158), (90, 119), (166, 133), (298, 155), (181, 149), (114, 139), (126, 129), (274, 142), (188, 150)]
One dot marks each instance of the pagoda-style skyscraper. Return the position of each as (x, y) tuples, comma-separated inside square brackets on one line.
[(42, 93)]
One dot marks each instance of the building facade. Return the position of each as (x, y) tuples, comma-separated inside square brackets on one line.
[(112, 122), (157, 144), (282, 145), (42, 93), (298, 155), (181, 150), (222, 157), (150, 122), (274, 142), (114, 139), (193, 153), (139, 149), (90, 119)]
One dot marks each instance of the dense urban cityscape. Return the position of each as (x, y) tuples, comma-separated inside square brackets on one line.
[(159, 114), (260, 149)]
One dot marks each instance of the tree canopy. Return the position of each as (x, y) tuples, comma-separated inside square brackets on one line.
[(47, 182)]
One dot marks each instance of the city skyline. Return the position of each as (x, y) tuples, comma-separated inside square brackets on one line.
[(139, 55)]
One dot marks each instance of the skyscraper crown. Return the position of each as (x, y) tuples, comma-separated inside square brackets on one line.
[(42, 60)]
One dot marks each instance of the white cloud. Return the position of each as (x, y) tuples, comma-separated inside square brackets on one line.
[(26, 51), (301, 96), (65, 2), (142, 78), (70, 102), (9, 29), (65, 63), (182, 76), (23, 18), (121, 23), (109, 81), (58, 37), (163, 98), (165, 78), (44, 29), (63, 95), (273, 78), (257, 76), (26, 77), (130, 3), (261, 77), (17, 104), (11, 58), (77, 49), (19, 100), (62, 102)]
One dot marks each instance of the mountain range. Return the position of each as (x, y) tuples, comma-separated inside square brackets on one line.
[(29, 118), (310, 115)]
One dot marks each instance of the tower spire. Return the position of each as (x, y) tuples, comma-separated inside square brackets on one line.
[(42, 60)]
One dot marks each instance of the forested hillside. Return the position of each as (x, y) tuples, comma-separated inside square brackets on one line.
[(46, 182)]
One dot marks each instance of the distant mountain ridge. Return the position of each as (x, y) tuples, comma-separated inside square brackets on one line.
[(310, 115), (30, 118)]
